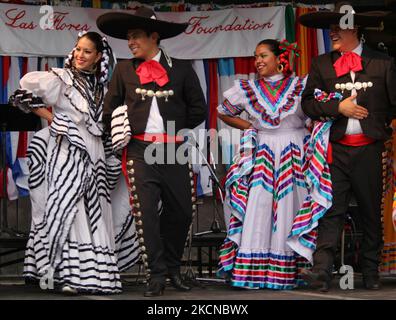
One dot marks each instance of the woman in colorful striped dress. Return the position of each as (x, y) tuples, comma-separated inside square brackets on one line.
[(77, 240), (266, 185)]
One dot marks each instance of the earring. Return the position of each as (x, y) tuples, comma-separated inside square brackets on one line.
[(362, 39), (279, 68)]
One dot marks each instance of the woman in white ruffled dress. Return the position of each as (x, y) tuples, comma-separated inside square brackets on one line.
[(77, 240), (265, 186)]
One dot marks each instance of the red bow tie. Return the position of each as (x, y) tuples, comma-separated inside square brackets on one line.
[(349, 61), (150, 71)]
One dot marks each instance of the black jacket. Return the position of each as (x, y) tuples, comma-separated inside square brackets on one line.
[(187, 107), (380, 100)]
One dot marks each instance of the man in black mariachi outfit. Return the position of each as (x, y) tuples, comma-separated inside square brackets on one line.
[(367, 81), (157, 89)]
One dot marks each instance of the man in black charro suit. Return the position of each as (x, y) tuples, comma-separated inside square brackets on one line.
[(170, 93), (367, 81)]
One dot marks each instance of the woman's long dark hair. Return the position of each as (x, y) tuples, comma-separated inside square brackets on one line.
[(96, 38), (105, 64), (273, 46)]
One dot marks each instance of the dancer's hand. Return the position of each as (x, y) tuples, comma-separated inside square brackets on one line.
[(351, 110)]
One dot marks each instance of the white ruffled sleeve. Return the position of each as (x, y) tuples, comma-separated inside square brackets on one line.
[(234, 100), (43, 84)]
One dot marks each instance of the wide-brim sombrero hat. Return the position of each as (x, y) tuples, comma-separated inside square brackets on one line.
[(324, 19), (117, 24)]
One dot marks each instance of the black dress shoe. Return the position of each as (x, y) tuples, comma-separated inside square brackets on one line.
[(317, 280), (177, 282), (371, 282), (31, 281), (154, 289), (324, 286)]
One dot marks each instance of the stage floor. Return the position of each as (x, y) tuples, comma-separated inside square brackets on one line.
[(15, 289)]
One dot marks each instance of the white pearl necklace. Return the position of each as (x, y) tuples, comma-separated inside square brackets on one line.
[(150, 93), (350, 86)]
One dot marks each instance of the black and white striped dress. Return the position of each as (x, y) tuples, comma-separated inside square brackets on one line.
[(82, 229)]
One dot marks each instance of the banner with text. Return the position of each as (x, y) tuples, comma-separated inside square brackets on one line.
[(52, 31)]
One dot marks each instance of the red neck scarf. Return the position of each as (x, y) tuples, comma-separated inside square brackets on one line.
[(150, 71), (349, 61)]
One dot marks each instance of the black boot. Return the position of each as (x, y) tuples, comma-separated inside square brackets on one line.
[(317, 280), (154, 289), (371, 282), (177, 282)]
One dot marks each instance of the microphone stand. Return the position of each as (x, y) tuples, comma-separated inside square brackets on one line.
[(215, 226), (189, 275)]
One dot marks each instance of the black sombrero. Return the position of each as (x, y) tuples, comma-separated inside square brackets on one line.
[(324, 19), (117, 24)]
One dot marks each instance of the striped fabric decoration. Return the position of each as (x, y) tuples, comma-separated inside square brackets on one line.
[(265, 270), (239, 188), (262, 270), (264, 172), (388, 260), (97, 268), (273, 93), (100, 277), (290, 174), (255, 167), (62, 125), (280, 104), (319, 200), (394, 212), (230, 109), (120, 129), (57, 222), (238, 195), (307, 41), (5, 71), (127, 245)]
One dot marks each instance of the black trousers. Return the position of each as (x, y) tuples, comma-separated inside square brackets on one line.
[(356, 170), (163, 235)]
